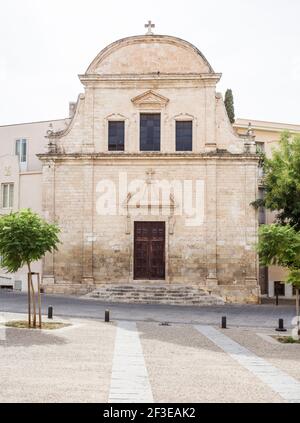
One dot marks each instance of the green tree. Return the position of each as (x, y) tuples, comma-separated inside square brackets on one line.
[(25, 238), (279, 245), (229, 104), (282, 182)]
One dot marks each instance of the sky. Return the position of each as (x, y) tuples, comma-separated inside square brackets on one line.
[(45, 44)]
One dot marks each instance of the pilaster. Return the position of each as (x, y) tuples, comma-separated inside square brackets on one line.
[(88, 141), (211, 223), (251, 224), (88, 223), (48, 207), (210, 118)]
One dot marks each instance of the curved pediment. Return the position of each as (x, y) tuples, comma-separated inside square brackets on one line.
[(150, 54)]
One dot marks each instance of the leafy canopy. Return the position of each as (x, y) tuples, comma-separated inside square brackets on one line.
[(282, 182), (280, 245), (24, 238)]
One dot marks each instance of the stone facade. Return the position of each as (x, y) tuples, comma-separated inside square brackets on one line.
[(166, 75)]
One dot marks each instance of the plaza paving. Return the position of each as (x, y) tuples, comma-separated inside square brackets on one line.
[(143, 361)]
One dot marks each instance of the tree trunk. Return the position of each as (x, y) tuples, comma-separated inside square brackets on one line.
[(32, 296), (298, 310), (33, 303), (29, 300), (39, 301)]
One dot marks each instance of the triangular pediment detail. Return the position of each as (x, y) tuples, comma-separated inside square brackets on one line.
[(150, 99)]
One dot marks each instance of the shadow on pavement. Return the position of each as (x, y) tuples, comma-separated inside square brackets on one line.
[(28, 338)]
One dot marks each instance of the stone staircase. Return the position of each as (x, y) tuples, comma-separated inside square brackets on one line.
[(156, 294), (67, 289)]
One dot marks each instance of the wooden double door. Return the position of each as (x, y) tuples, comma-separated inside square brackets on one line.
[(149, 250)]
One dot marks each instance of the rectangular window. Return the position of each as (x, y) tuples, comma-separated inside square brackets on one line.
[(184, 135), (260, 147), (116, 136), (21, 150), (7, 196), (150, 132), (279, 288)]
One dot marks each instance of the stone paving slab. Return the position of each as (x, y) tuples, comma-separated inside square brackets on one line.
[(284, 356), (129, 379), (284, 385)]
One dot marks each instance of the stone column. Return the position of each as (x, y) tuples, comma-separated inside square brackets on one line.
[(88, 223), (48, 208), (211, 223)]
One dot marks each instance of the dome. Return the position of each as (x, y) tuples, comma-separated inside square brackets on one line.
[(149, 54)]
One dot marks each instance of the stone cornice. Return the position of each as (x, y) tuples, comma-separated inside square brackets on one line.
[(266, 126), (116, 157), (209, 78)]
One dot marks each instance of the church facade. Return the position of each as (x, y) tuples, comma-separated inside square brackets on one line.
[(149, 182)]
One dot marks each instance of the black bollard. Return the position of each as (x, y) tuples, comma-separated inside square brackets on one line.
[(50, 312), (281, 327), (107, 316), (224, 322)]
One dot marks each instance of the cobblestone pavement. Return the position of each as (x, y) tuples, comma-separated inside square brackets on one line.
[(142, 361), (264, 316)]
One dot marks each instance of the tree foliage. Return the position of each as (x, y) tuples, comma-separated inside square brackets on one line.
[(280, 246), (24, 238), (282, 182), (229, 104)]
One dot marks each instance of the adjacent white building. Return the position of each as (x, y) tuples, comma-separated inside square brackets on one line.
[(21, 177)]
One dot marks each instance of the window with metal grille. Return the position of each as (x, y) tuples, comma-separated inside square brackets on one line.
[(150, 131), (7, 196), (116, 136), (184, 135)]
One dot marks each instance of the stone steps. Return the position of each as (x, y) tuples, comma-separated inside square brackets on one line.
[(67, 289), (139, 294), (151, 294)]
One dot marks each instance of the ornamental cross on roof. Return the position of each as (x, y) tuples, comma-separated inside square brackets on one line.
[(149, 25)]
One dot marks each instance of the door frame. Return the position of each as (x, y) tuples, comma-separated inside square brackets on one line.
[(162, 224), (141, 218)]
